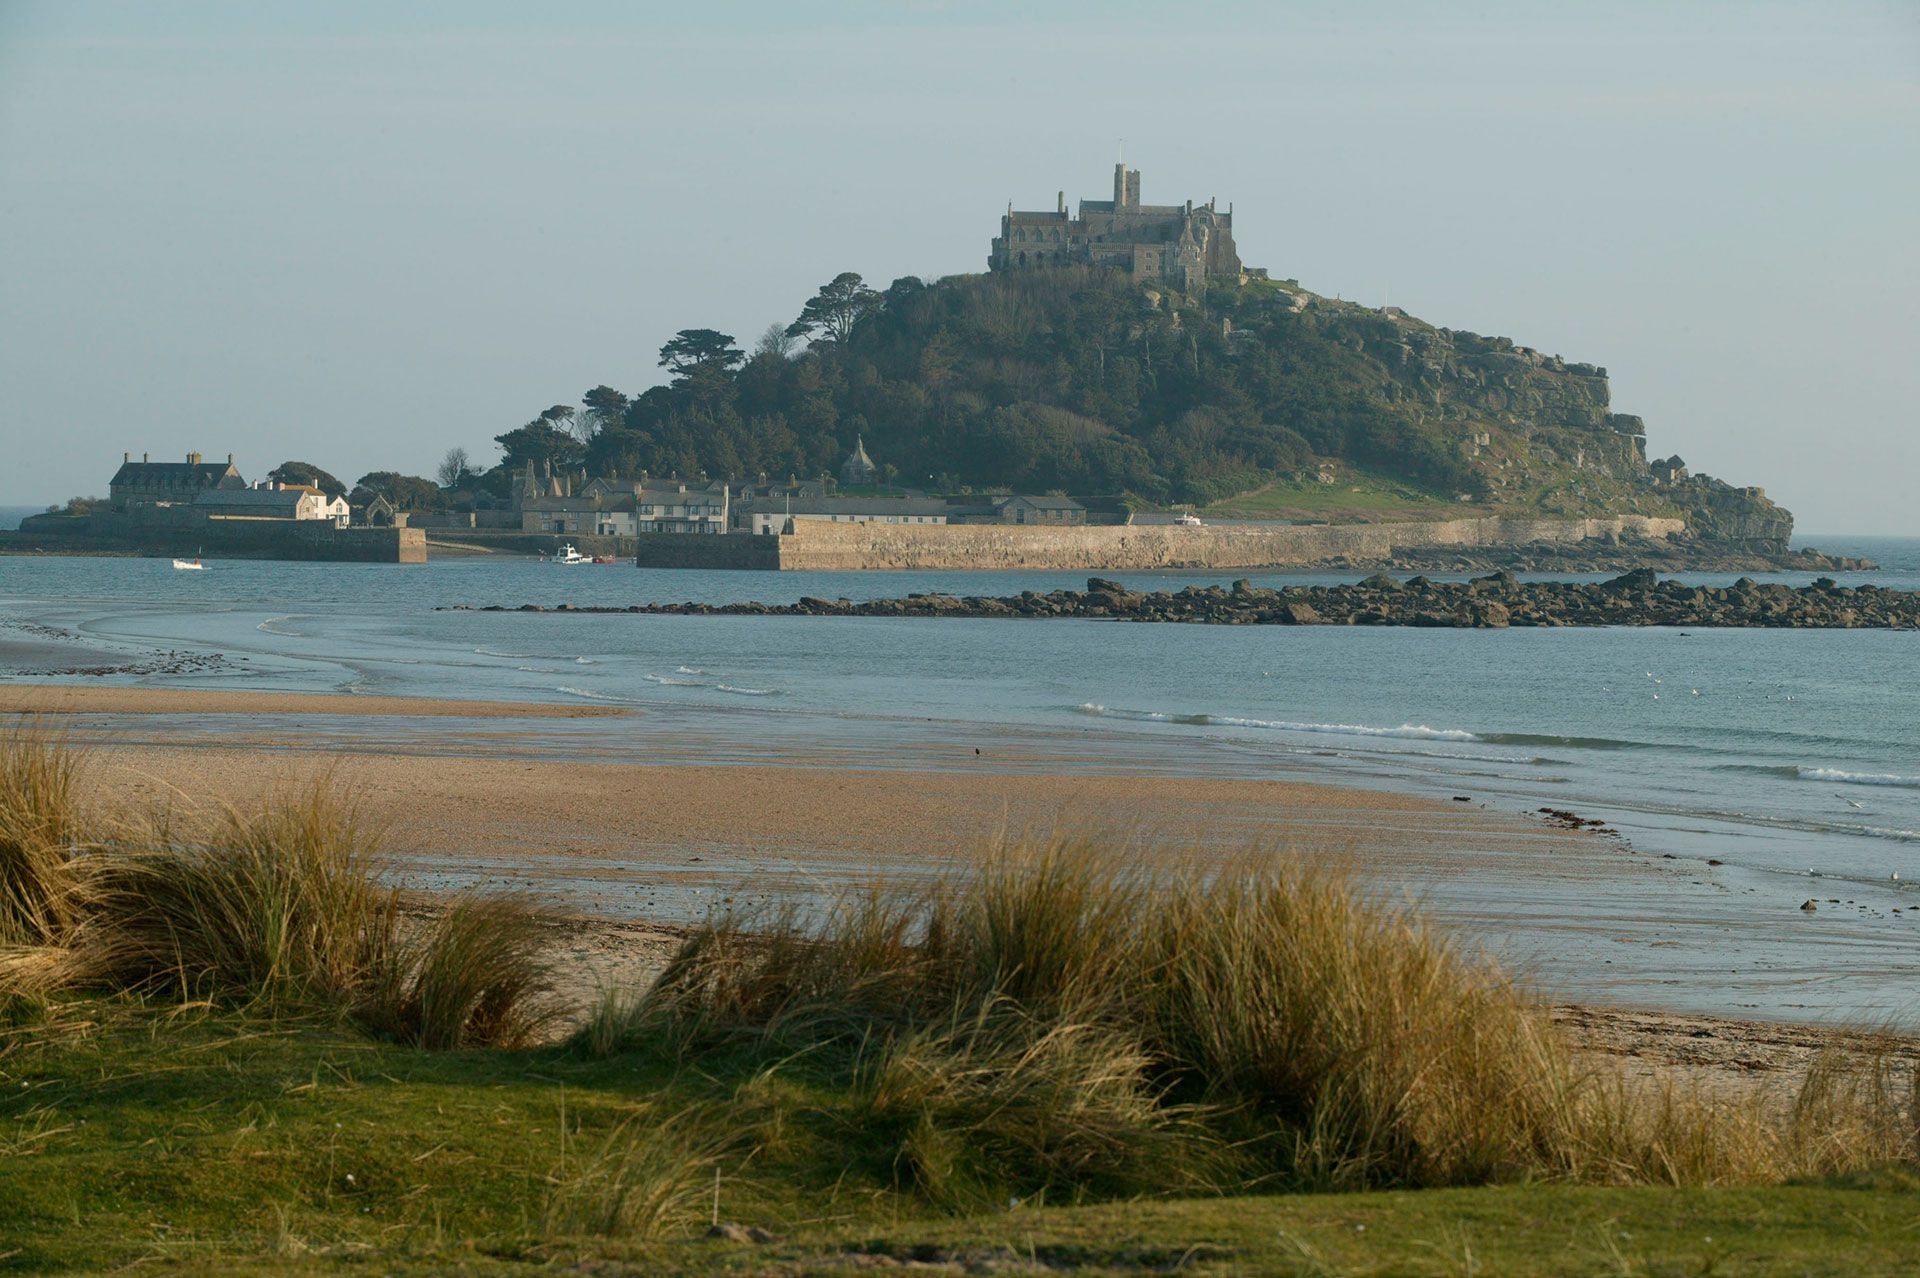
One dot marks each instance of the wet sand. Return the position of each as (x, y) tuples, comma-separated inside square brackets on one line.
[(59, 699), (626, 856)]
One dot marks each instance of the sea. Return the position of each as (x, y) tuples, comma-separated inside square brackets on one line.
[(1772, 766)]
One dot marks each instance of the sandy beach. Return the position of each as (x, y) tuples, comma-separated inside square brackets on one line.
[(627, 856)]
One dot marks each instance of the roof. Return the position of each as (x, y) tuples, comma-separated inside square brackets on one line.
[(1043, 503), (175, 474), (843, 506)]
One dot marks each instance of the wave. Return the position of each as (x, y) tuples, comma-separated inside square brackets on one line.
[(520, 656), (599, 696), (267, 627), (1826, 776), (1554, 739), (1836, 776), (690, 670), (672, 682), (583, 661), (1414, 731), (748, 692)]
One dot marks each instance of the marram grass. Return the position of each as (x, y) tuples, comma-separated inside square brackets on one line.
[(1063, 1020)]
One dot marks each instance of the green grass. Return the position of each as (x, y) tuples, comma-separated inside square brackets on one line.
[(1355, 497), (213, 1142)]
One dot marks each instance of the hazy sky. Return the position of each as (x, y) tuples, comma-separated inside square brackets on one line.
[(358, 237)]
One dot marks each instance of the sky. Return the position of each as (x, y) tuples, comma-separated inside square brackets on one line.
[(361, 234)]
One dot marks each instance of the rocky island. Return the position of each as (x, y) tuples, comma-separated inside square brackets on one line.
[(1636, 598)]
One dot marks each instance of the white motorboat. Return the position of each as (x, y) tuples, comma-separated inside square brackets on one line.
[(1189, 520), (189, 565), (568, 555)]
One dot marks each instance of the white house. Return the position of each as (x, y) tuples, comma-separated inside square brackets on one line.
[(770, 515), (268, 500)]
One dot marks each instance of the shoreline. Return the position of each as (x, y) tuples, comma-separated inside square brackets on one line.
[(665, 835), (53, 698)]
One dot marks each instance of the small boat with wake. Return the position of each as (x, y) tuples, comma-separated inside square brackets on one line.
[(189, 565)]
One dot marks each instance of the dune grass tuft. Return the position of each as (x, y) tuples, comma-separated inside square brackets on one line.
[(474, 977), (40, 830), (277, 909), (1065, 1020)]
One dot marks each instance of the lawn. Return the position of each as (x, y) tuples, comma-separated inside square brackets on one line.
[(1355, 498)]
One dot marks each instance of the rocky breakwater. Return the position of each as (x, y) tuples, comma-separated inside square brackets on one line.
[(1637, 598)]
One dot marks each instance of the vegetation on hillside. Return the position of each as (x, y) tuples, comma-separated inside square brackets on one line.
[(1076, 380)]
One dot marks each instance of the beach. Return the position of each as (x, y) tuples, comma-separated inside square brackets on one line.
[(626, 857)]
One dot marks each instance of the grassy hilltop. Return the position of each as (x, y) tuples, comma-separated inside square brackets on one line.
[(1260, 398)]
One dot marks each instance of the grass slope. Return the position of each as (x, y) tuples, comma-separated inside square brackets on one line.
[(214, 1142)]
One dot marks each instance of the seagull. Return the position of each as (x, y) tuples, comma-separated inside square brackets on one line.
[(1696, 692)]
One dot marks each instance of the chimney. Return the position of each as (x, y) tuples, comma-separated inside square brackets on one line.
[(125, 458), (1063, 204), (229, 459), (193, 459), (145, 457)]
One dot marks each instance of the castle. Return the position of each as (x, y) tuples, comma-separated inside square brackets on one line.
[(1184, 245)]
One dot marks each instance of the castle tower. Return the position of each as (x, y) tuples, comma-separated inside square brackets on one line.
[(1126, 188)]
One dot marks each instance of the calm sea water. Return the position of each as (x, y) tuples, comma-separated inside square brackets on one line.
[(1791, 756)]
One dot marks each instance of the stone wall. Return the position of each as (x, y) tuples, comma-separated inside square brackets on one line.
[(732, 550), (178, 535), (823, 547)]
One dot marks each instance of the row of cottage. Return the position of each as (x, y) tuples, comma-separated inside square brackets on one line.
[(626, 508), (546, 502)]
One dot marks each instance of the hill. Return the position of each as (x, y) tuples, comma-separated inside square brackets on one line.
[(1262, 399)]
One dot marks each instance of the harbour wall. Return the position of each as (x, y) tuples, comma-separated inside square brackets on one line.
[(308, 539), (829, 547)]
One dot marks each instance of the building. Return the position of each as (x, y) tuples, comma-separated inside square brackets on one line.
[(272, 501), (771, 515), (858, 469), (1184, 245), (149, 483), (1022, 509), (626, 508)]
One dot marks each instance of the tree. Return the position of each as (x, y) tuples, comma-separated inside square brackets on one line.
[(601, 407), (405, 492), (539, 442), (836, 308), (453, 468), (775, 343), (699, 349), (299, 472)]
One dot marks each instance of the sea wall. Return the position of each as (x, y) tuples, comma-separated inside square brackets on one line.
[(178, 537), (827, 547), (695, 550)]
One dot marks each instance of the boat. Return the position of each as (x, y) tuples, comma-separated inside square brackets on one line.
[(568, 555), (189, 565), (1189, 520), (605, 559)]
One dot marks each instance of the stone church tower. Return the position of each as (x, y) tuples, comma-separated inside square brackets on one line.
[(1183, 245)]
